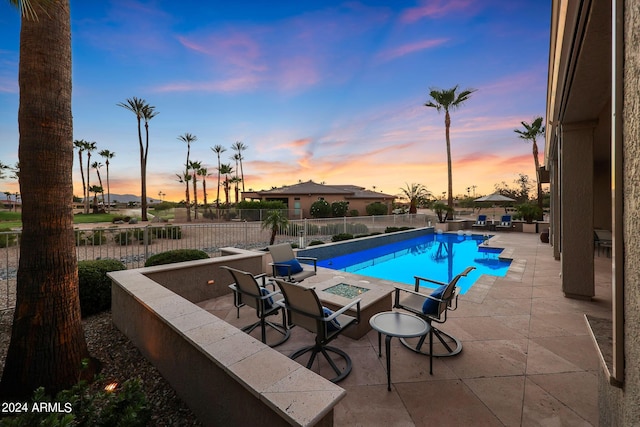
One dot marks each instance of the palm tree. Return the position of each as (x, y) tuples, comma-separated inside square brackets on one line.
[(95, 189), (218, 149), (194, 166), (108, 155), (226, 170), (81, 144), (416, 194), (235, 181), (47, 341), (142, 110), (188, 139), (448, 100), (3, 167), (274, 221), (204, 174), (89, 147), (239, 146), (97, 166), (530, 133)]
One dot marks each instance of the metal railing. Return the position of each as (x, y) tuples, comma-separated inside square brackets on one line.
[(134, 244)]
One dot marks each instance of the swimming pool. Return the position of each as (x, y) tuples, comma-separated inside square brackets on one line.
[(435, 256)]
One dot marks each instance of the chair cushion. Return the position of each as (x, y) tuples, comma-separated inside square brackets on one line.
[(268, 302), (284, 271), (333, 325), (431, 306), (504, 224)]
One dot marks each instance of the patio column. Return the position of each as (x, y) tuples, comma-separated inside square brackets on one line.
[(555, 208), (576, 209)]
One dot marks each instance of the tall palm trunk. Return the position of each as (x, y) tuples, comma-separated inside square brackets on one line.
[(536, 161), (87, 192), (143, 171), (84, 184), (447, 125), (47, 342), (195, 195), (108, 189)]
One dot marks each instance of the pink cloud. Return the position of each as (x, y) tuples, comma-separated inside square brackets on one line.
[(435, 9), (238, 84), (409, 48)]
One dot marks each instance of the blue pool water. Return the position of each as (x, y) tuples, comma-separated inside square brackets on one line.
[(434, 256)]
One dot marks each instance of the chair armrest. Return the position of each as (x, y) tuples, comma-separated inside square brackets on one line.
[(308, 258), (337, 313), (424, 279)]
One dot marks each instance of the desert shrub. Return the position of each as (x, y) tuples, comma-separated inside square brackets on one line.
[(8, 239), (396, 229), (176, 255), (124, 238), (315, 243), (354, 212), (168, 232), (126, 406), (95, 286), (138, 234), (320, 209), (377, 208), (95, 238), (342, 236)]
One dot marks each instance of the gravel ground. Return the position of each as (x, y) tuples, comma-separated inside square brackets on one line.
[(121, 361)]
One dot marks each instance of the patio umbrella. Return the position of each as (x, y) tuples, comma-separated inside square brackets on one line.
[(494, 198)]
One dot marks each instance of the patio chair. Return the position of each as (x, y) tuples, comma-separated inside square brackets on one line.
[(247, 291), (287, 266), (432, 308), (602, 241), (505, 223), (481, 222), (304, 309)]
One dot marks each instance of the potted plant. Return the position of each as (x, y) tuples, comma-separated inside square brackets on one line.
[(529, 212), (443, 212)]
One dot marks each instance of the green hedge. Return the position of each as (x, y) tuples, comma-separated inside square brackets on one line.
[(95, 286), (176, 255)]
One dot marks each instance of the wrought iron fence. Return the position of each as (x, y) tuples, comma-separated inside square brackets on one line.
[(134, 244)]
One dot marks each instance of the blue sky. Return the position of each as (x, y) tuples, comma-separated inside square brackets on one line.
[(324, 90)]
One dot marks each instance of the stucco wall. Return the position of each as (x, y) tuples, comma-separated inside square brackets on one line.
[(619, 406)]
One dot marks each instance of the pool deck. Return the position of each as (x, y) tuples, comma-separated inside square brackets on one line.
[(527, 357)]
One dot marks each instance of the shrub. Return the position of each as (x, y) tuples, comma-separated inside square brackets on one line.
[(119, 218), (320, 209), (138, 234), (168, 232), (96, 238), (124, 238), (339, 208), (176, 255), (377, 208), (396, 229), (315, 243), (126, 406), (342, 236), (95, 286), (354, 212)]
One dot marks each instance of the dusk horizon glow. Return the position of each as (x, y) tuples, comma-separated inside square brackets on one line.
[(327, 91)]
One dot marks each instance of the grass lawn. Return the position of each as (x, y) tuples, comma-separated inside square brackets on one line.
[(13, 219)]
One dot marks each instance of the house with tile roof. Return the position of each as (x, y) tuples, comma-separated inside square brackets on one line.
[(299, 197)]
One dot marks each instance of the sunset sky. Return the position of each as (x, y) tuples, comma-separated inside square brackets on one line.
[(323, 90)]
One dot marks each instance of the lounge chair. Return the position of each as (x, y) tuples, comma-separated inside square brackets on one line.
[(287, 266), (305, 310), (247, 291), (505, 223), (481, 222), (433, 308)]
